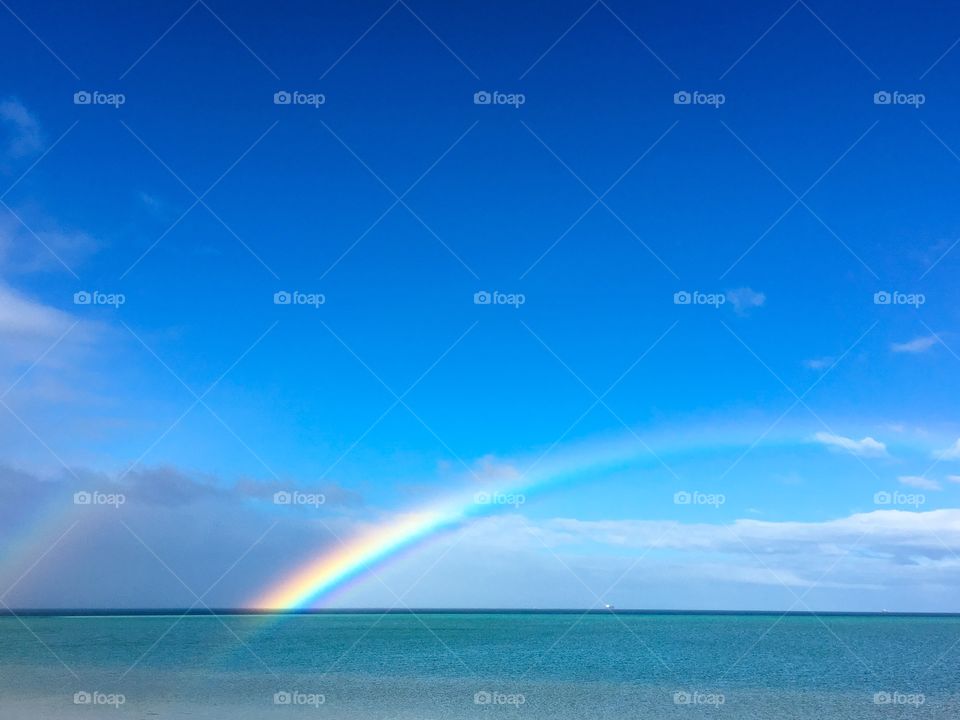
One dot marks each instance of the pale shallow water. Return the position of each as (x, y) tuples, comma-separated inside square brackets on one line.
[(480, 665)]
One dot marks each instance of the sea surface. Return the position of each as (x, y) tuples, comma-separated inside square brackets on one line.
[(480, 665)]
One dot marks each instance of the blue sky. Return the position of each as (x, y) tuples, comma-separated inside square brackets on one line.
[(792, 200)]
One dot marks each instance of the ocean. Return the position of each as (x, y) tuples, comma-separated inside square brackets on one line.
[(480, 665)]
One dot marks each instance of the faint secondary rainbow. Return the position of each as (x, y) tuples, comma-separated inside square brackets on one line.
[(355, 557)]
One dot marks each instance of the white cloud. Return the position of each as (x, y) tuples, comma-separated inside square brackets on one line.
[(23, 136), (32, 332), (744, 299), (891, 529), (865, 447), (919, 481), (917, 345), (819, 363), (736, 564), (950, 453), (51, 374), (51, 248), (953, 478), (45, 244), (22, 317)]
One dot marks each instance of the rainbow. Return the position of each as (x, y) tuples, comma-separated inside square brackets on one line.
[(312, 582), (328, 572)]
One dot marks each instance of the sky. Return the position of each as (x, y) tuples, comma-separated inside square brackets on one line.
[(384, 253)]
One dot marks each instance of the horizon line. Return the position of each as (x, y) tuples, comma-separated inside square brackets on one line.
[(210, 612)]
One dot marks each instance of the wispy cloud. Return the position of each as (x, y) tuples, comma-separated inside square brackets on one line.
[(744, 299), (865, 447), (950, 453), (46, 246), (819, 363), (918, 481), (22, 317), (29, 329), (917, 345), (882, 556), (899, 528), (22, 135)]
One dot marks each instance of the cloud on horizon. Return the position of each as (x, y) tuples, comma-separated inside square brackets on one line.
[(199, 527), (870, 560), (898, 530)]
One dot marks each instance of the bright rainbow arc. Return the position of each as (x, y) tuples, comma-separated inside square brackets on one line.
[(319, 577), (334, 569)]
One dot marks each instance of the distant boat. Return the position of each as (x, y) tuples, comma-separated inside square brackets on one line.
[(608, 606)]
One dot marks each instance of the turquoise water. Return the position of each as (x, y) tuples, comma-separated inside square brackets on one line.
[(480, 665)]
